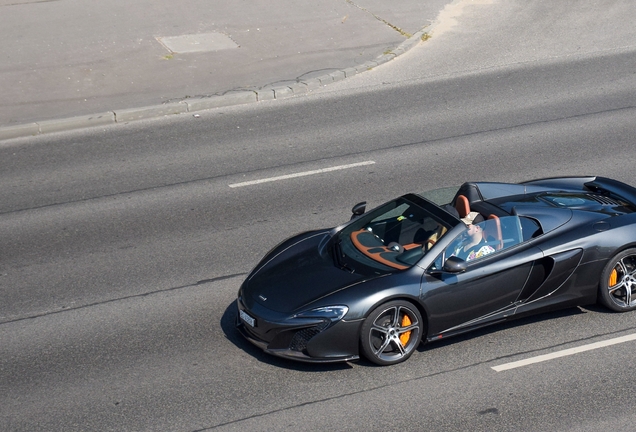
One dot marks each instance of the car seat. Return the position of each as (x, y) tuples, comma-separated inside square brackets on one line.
[(492, 231), (462, 205)]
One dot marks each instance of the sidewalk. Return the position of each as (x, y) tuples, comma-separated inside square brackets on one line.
[(74, 63)]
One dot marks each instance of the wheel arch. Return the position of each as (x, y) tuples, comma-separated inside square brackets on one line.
[(606, 259), (609, 299), (622, 249)]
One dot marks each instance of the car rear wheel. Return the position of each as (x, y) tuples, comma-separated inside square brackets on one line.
[(618, 282), (391, 332)]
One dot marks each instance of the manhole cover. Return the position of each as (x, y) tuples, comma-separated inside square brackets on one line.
[(201, 42)]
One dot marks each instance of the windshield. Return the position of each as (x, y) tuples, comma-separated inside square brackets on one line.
[(394, 236)]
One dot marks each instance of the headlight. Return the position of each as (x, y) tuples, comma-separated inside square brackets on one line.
[(332, 313)]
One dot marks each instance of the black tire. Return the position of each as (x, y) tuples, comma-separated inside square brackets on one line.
[(391, 332), (618, 282)]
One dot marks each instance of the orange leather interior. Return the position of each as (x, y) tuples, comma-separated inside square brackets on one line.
[(463, 206), (494, 230), (375, 250)]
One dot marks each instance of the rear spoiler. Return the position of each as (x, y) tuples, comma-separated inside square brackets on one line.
[(613, 188), (602, 185)]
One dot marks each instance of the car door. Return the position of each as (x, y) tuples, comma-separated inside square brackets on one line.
[(488, 290)]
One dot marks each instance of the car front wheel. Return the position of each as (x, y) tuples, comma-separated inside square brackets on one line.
[(391, 332), (618, 282)]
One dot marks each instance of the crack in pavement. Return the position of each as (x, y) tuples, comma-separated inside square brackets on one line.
[(394, 27), (29, 2), (414, 379), (99, 303)]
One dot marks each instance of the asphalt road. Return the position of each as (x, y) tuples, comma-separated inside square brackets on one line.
[(123, 247)]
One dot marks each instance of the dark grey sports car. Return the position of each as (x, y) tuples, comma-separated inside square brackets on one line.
[(417, 270)]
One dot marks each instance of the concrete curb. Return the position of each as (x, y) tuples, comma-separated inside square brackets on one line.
[(238, 97)]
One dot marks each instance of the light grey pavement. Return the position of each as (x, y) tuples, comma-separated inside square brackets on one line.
[(74, 63)]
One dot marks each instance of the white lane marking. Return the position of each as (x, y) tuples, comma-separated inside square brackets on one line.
[(564, 353), (301, 174)]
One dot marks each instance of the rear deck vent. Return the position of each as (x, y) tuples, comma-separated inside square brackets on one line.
[(603, 200)]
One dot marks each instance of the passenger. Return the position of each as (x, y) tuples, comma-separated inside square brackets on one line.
[(475, 246)]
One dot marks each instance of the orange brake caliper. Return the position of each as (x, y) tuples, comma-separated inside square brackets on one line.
[(404, 337), (613, 278)]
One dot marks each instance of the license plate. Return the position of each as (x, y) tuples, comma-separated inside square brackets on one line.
[(248, 319)]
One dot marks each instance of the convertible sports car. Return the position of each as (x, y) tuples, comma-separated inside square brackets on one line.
[(417, 270)]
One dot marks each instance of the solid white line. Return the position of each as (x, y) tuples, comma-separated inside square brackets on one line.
[(301, 174), (564, 353)]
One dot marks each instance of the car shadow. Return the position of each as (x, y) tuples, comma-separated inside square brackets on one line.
[(228, 326), (517, 322), (597, 308)]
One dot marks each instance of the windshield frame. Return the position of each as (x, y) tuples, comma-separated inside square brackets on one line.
[(352, 256)]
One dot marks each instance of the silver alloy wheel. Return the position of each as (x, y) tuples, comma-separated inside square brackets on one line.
[(622, 282), (391, 333)]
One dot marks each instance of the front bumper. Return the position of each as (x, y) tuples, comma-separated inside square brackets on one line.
[(314, 341)]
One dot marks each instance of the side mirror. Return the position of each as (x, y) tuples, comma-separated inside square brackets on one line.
[(358, 209), (455, 265)]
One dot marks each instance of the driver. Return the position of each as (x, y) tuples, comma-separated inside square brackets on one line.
[(475, 245)]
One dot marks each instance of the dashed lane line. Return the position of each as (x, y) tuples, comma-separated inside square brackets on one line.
[(563, 353), (301, 174)]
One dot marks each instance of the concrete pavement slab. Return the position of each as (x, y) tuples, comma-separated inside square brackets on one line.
[(58, 125), (202, 42), (71, 58)]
